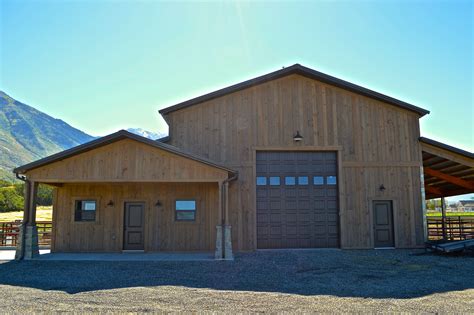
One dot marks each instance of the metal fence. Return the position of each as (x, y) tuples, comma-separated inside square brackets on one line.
[(9, 233), (455, 228)]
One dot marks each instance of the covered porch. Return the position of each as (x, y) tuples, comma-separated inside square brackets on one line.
[(124, 193), (448, 171)]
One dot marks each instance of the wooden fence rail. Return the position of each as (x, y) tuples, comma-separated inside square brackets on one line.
[(9, 233), (457, 228)]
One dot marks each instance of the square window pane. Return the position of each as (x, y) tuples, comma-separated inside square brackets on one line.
[(85, 210), (318, 180), (290, 181), (274, 181), (88, 216), (185, 205), (303, 180), (88, 205), (331, 180), (185, 215), (261, 181)]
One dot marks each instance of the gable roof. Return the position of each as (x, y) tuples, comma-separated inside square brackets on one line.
[(119, 135), (301, 70), (467, 202)]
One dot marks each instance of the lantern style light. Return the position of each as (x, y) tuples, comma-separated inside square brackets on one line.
[(297, 137)]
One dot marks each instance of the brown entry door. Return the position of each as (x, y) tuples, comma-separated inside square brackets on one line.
[(383, 224), (133, 238)]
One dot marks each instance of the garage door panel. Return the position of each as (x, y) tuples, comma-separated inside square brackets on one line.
[(331, 204), (300, 209), (262, 193), (275, 193), (275, 205), (319, 205), (319, 192)]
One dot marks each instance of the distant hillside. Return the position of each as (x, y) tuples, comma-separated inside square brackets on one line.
[(27, 134)]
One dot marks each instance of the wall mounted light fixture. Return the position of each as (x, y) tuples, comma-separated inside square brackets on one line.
[(382, 188), (297, 137), (110, 204), (158, 203)]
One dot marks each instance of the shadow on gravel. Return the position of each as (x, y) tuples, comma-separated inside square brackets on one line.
[(371, 274)]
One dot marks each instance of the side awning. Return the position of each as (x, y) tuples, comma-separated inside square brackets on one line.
[(448, 171)]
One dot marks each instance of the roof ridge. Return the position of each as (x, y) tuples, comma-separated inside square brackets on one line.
[(295, 69)]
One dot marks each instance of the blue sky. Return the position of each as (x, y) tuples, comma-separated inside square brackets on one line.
[(105, 65)]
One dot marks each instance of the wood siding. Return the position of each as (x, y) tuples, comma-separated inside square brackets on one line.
[(377, 144), (127, 161), (162, 232)]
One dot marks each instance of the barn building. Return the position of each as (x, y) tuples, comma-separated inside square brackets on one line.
[(292, 159)]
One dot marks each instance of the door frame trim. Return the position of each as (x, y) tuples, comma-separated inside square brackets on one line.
[(145, 214), (340, 181), (394, 219)]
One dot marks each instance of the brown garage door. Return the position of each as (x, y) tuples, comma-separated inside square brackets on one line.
[(297, 200)]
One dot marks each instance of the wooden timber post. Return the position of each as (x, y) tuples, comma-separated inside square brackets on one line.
[(219, 232), (443, 219), (228, 255)]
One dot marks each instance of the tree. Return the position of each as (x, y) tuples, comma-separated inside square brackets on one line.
[(10, 200), (12, 196), (45, 195)]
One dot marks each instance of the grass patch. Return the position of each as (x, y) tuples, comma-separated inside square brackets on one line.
[(42, 214), (451, 214)]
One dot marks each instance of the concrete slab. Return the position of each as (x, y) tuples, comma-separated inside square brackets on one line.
[(9, 254), (127, 257)]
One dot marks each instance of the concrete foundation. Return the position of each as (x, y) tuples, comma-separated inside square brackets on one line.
[(28, 245)]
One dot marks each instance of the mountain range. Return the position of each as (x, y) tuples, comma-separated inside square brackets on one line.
[(27, 134)]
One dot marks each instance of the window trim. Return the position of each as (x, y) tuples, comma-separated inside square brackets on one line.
[(97, 209), (186, 211)]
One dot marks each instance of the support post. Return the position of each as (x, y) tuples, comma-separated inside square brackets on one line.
[(219, 254), (228, 255), (27, 242), (423, 205), (443, 219)]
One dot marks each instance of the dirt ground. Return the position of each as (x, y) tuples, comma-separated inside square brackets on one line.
[(264, 281)]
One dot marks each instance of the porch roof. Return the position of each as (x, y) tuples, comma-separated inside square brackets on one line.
[(448, 171)]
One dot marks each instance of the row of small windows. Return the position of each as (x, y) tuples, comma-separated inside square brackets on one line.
[(293, 180)]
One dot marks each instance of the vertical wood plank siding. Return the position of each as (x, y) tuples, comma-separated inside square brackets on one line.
[(379, 145), (127, 161), (162, 232)]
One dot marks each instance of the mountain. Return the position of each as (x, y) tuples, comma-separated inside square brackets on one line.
[(26, 134), (147, 134)]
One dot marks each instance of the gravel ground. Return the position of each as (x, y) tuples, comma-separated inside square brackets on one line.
[(266, 281)]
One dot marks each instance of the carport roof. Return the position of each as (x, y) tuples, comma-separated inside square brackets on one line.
[(448, 171), (119, 135)]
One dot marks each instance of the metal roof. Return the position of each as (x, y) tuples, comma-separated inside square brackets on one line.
[(304, 71)]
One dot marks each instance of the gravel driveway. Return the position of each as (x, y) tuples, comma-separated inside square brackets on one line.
[(267, 281)]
